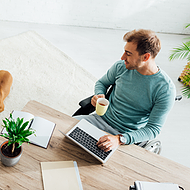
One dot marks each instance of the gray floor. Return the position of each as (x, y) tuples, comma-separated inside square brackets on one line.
[(97, 49)]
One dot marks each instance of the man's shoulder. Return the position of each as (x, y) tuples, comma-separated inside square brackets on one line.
[(119, 66), (166, 78), (119, 63), (167, 83)]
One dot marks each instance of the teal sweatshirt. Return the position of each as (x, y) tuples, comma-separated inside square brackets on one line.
[(139, 104)]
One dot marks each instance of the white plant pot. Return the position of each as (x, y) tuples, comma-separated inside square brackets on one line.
[(9, 161)]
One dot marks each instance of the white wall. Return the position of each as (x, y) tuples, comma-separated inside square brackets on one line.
[(158, 15)]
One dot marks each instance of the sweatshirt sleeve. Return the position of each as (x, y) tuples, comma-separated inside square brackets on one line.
[(163, 104)]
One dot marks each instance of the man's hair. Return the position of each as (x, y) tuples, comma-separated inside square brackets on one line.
[(146, 40)]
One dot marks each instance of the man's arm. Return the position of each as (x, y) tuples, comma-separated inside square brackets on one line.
[(107, 142), (104, 83), (148, 132), (157, 118), (161, 107)]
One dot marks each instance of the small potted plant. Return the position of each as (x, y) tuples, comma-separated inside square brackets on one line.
[(16, 133)]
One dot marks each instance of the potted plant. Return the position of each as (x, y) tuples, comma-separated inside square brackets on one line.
[(183, 52), (16, 133)]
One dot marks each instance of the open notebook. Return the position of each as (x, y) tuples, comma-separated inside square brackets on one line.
[(87, 135), (43, 128)]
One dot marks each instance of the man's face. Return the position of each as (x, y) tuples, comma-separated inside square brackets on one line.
[(131, 56)]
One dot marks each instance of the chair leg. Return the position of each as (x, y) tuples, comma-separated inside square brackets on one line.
[(142, 144), (154, 146)]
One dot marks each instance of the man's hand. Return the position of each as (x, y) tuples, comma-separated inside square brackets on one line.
[(95, 97), (108, 142)]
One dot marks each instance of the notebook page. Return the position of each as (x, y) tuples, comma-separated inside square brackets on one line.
[(27, 117), (43, 131)]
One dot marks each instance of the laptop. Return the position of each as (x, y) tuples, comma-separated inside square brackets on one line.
[(86, 136)]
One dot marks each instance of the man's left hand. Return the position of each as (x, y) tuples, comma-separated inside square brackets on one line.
[(108, 142)]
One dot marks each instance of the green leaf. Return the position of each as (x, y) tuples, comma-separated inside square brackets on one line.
[(7, 119), (4, 135), (187, 25), (186, 91), (18, 124), (21, 122), (12, 127), (180, 52), (24, 126), (19, 144), (5, 123), (26, 133)]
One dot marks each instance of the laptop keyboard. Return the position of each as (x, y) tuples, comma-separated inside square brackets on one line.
[(88, 142)]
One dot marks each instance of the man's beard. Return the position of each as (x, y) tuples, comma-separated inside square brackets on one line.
[(132, 67)]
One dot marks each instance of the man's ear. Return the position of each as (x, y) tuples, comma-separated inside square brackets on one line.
[(146, 57)]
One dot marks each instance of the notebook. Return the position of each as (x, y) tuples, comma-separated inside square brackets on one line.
[(86, 136), (43, 128), (61, 175), (143, 185)]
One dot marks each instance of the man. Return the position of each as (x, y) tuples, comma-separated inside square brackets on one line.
[(142, 96)]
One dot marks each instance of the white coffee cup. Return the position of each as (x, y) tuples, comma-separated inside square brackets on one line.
[(101, 106)]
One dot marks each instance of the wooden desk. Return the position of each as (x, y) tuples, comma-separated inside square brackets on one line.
[(127, 164)]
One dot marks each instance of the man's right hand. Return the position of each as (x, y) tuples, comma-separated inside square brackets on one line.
[(95, 97)]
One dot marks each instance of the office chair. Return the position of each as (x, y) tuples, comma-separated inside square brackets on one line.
[(86, 108)]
